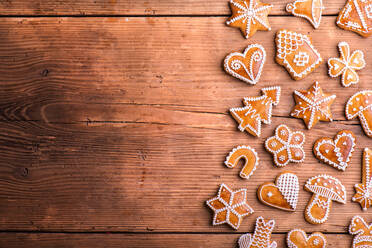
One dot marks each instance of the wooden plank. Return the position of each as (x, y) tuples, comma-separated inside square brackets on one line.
[(146, 177), (14, 240), (148, 69), (142, 7)]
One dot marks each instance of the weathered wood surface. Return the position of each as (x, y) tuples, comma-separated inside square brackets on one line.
[(121, 124), (144, 241), (139, 7)]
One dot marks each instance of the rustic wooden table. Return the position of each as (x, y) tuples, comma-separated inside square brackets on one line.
[(114, 123)]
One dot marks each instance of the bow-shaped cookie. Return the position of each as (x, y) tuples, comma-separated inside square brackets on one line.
[(347, 65)]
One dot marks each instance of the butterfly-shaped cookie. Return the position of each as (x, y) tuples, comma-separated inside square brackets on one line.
[(347, 65)]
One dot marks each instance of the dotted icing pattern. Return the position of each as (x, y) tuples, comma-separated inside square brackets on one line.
[(261, 237), (363, 191), (360, 104), (248, 154), (297, 238), (362, 232), (311, 10)]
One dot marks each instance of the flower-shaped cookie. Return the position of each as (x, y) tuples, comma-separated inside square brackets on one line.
[(346, 65), (286, 146)]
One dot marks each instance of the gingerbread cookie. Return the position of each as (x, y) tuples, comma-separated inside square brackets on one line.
[(336, 152), (313, 105), (246, 66), (250, 157), (229, 206), (296, 53), (363, 232), (257, 109), (297, 238), (346, 65), (360, 104), (249, 16), (261, 237), (363, 190), (286, 146), (283, 194), (308, 9), (326, 189), (356, 16)]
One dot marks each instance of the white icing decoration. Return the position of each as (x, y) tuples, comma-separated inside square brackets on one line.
[(261, 237), (307, 238), (249, 151), (345, 12), (351, 113), (363, 237), (314, 20), (301, 59)]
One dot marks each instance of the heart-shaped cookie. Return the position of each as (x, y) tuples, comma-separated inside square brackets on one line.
[(297, 238), (336, 152), (283, 194), (246, 66)]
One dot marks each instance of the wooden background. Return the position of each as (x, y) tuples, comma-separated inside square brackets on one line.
[(114, 123)]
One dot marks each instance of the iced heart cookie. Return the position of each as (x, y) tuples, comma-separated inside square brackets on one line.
[(261, 237), (326, 189), (363, 232), (283, 194), (229, 206), (249, 16), (336, 152), (286, 146), (250, 158), (347, 65), (308, 9), (246, 66), (313, 105), (257, 109), (363, 190), (360, 104), (297, 238), (356, 16), (296, 53)]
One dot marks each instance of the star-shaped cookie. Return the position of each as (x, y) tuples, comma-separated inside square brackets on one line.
[(313, 105), (249, 16), (229, 206)]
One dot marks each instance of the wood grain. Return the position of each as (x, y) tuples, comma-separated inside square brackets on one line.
[(144, 241), (142, 7)]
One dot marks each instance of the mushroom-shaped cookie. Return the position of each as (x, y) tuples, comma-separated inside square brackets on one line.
[(360, 104), (326, 189)]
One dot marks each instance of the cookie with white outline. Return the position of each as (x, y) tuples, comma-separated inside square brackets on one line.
[(297, 238), (311, 10), (256, 110), (356, 16), (229, 206), (261, 237), (296, 53), (313, 105), (336, 152), (250, 160), (347, 65), (246, 66), (286, 146), (362, 232), (363, 190), (249, 16), (360, 104), (325, 189), (283, 194)]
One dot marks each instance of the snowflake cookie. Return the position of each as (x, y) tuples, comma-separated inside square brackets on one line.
[(229, 206), (286, 146), (356, 16), (347, 65), (326, 189), (362, 232), (296, 53), (283, 194), (363, 190), (249, 16), (297, 238), (360, 104), (336, 152), (246, 66), (250, 158), (313, 105), (256, 110), (261, 237), (308, 9)]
